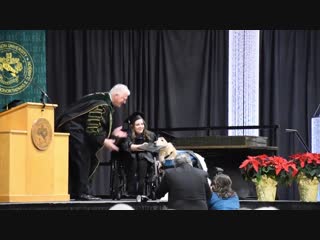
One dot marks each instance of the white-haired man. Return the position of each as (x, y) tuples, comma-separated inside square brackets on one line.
[(90, 124), (187, 187)]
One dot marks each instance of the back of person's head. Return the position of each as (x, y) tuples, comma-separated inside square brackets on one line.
[(121, 206), (119, 89), (182, 159), (267, 208), (222, 185)]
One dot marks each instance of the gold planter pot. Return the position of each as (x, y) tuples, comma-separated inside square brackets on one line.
[(308, 188), (266, 188)]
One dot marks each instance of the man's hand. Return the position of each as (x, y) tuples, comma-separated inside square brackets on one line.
[(110, 144), (117, 132)]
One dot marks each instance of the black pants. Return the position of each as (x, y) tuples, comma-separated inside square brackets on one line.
[(137, 171), (81, 158), (81, 163)]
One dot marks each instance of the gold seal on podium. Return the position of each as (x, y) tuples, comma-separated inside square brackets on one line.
[(41, 134)]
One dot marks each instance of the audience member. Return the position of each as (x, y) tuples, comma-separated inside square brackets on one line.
[(223, 197), (187, 187), (121, 206), (267, 208)]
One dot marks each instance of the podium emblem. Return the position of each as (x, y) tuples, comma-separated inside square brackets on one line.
[(41, 134)]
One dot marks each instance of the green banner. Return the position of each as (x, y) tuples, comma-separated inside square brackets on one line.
[(22, 66)]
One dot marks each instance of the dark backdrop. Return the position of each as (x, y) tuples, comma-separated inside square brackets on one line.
[(179, 78), (289, 87)]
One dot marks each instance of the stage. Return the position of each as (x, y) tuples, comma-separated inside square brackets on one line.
[(105, 204)]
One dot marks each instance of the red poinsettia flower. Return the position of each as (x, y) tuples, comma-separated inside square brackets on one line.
[(275, 167), (307, 163)]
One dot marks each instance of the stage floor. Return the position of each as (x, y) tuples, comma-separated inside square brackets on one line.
[(106, 203)]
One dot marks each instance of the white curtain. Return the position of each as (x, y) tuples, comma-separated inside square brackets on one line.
[(244, 81)]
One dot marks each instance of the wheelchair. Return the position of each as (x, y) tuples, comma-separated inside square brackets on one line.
[(118, 178), (153, 181)]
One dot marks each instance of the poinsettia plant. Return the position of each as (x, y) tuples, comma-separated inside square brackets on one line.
[(308, 164), (275, 167)]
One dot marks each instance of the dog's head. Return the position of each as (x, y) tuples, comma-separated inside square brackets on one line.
[(161, 142)]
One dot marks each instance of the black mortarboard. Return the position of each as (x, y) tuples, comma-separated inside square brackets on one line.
[(12, 104), (169, 137), (133, 117)]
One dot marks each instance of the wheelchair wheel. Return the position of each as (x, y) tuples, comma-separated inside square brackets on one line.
[(119, 195), (115, 192), (113, 196), (117, 180), (153, 195)]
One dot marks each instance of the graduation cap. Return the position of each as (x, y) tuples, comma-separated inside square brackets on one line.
[(12, 104), (133, 117)]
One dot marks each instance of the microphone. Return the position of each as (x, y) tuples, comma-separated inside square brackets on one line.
[(315, 113), (44, 94), (291, 130), (299, 137), (43, 97)]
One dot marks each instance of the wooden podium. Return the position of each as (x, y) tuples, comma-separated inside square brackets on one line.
[(33, 158)]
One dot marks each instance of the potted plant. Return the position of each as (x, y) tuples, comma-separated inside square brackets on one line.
[(266, 172), (308, 165)]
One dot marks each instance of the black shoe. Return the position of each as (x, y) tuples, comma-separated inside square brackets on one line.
[(129, 195), (142, 198), (87, 197), (126, 195)]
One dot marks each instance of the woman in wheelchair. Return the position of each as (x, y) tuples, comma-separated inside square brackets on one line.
[(138, 162)]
